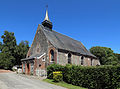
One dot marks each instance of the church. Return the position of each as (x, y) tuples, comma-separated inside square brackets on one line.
[(50, 47)]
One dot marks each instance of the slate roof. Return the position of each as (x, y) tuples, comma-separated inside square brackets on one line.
[(61, 41), (32, 57)]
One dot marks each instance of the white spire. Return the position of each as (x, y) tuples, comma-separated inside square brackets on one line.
[(46, 16), (46, 22)]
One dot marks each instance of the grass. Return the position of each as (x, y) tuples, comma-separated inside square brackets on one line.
[(63, 84)]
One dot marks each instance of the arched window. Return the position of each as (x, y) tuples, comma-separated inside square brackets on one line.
[(82, 60), (51, 55), (69, 58), (91, 61)]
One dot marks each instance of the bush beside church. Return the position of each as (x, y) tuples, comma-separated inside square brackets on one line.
[(99, 77)]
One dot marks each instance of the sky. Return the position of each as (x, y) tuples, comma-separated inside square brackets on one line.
[(93, 22)]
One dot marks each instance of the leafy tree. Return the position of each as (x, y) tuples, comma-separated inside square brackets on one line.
[(7, 49), (105, 55), (21, 51), (10, 52), (0, 47), (9, 42), (118, 56), (6, 60)]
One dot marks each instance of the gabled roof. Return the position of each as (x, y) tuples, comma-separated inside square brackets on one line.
[(61, 41)]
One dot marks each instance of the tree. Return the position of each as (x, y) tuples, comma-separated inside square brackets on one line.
[(21, 51), (7, 48), (105, 55), (0, 46), (11, 53), (6, 61), (118, 56), (9, 42)]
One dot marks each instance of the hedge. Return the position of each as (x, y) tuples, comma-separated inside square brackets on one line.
[(52, 68), (99, 77), (57, 76)]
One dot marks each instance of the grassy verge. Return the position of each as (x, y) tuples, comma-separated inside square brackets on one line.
[(63, 84)]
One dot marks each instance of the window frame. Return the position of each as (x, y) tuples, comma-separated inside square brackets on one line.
[(52, 55), (91, 61), (69, 58), (82, 60)]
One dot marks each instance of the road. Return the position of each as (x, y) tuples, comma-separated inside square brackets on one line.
[(15, 81)]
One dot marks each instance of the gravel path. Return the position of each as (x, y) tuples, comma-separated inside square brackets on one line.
[(14, 81)]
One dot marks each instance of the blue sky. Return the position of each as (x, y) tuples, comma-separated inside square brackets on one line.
[(93, 22)]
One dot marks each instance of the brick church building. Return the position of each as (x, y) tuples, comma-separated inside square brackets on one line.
[(50, 47)]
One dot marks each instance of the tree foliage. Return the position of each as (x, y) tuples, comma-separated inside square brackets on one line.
[(0, 46), (106, 55), (118, 56), (7, 48), (21, 51), (10, 52), (6, 61)]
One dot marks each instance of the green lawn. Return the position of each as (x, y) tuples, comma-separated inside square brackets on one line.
[(63, 84)]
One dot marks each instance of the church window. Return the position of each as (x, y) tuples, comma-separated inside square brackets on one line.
[(69, 58), (91, 61), (51, 55), (82, 60)]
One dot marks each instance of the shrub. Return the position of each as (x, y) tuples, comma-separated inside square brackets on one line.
[(99, 77), (52, 68), (103, 77), (57, 76)]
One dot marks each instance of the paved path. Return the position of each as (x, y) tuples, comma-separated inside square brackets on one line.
[(15, 81)]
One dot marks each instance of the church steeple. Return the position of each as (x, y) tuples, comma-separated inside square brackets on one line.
[(46, 22), (46, 16)]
